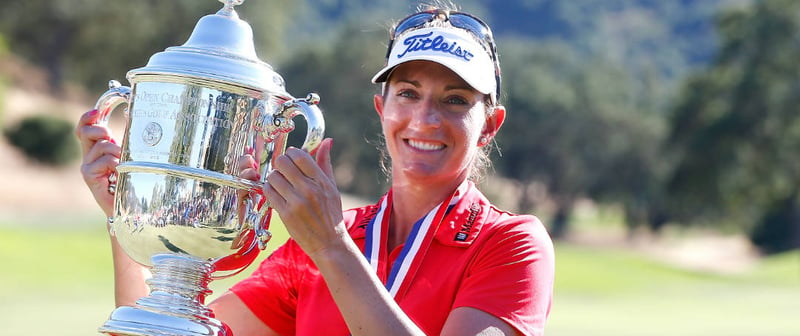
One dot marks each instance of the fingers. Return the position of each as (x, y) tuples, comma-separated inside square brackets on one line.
[(297, 175), (248, 167), (89, 133), (323, 157), (315, 168), (291, 179), (99, 169), (302, 190), (89, 118), (299, 170), (100, 156), (100, 149)]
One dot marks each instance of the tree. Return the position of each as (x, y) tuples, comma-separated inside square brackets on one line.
[(736, 130), (92, 41), (341, 71), (578, 128)]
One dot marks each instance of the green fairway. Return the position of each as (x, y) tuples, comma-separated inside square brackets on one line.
[(56, 281), (601, 292)]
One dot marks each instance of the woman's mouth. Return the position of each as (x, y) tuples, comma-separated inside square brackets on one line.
[(424, 145)]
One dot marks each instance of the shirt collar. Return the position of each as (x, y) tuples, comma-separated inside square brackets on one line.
[(460, 227)]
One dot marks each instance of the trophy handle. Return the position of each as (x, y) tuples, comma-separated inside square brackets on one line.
[(108, 101), (309, 109), (116, 95), (272, 128)]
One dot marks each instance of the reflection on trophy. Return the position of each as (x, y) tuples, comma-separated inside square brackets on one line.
[(180, 206)]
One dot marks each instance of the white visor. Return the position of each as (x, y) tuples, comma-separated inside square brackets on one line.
[(452, 47)]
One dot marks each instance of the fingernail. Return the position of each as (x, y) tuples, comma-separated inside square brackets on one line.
[(92, 113), (112, 141)]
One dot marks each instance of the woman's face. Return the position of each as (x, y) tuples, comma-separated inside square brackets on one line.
[(432, 121)]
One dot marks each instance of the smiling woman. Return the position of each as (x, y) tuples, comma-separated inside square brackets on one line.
[(433, 256), (433, 122)]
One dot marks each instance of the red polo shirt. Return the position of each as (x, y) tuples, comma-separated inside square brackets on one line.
[(482, 257)]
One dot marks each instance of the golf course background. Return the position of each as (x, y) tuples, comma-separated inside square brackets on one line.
[(55, 267), (56, 279)]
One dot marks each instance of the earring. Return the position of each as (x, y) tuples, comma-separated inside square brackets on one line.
[(483, 140)]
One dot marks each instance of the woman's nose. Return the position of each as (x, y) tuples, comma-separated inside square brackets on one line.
[(427, 114)]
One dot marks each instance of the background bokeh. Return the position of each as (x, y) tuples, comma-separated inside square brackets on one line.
[(657, 140)]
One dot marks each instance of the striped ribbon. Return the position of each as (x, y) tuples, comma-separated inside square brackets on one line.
[(419, 240)]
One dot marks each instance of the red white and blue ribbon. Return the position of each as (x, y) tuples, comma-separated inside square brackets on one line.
[(415, 248)]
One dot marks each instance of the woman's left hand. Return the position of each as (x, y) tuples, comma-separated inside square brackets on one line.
[(302, 189)]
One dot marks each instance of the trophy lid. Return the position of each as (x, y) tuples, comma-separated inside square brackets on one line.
[(220, 49)]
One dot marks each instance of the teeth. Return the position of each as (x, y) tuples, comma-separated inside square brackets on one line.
[(426, 146)]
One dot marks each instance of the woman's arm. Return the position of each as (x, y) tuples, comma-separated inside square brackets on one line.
[(471, 321), (100, 157), (233, 312), (305, 195), (303, 192), (365, 304)]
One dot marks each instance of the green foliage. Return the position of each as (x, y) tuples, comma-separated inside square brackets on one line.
[(588, 86), (778, 229), (45, 139), (583, 137), (92, 41), (341, 71), (736, 130)]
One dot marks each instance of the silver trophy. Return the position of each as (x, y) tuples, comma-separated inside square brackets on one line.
[(179, 204)]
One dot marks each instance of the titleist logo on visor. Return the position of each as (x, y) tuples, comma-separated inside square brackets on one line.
[(424, 42)]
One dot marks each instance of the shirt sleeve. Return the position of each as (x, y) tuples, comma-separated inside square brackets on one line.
[(271, 291), (512, 275)]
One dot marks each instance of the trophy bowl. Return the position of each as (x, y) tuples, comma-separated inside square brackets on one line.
[(179, 205)]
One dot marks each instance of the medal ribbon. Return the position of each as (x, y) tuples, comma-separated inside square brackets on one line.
[(415, 248)]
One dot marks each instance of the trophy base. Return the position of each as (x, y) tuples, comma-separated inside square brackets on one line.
[(135, 321), (175, 304)]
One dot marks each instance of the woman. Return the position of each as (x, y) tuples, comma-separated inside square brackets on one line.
[(432, 257)]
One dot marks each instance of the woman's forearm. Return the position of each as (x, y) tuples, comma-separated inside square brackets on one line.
[(129, 277), (365, 304)]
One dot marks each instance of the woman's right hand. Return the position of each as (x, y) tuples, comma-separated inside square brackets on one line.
[(100, 158)]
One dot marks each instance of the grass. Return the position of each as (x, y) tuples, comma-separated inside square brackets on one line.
[(610, 292), (56, 280)]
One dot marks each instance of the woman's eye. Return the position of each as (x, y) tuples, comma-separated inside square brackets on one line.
[(406, 94), (456, 100)]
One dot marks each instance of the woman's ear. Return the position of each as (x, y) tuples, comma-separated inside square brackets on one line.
[(493, 122), (378, 101)]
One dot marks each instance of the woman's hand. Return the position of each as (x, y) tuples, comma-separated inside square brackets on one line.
[(301, 188), (248, 169), (100, 158)]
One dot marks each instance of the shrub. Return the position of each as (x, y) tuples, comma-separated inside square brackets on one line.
[(45, 139), (779, 229)]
